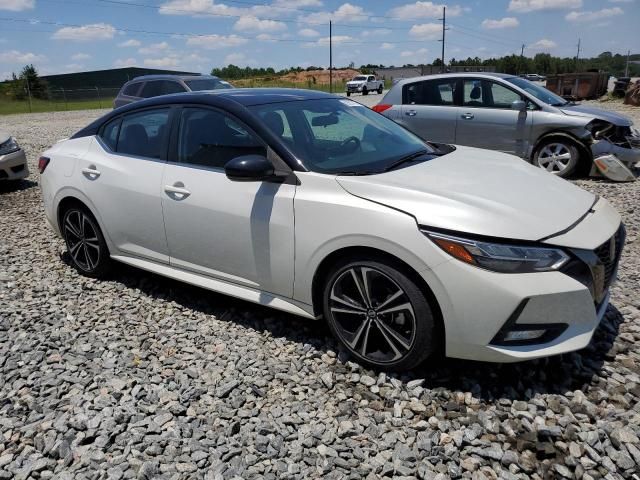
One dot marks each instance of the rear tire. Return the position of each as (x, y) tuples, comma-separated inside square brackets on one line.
[(558, 155), (86, 245), (380, 90), (379, 314)]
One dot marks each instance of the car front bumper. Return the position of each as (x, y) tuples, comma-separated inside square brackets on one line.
[(13, 166), (480, 307), (354, 88)]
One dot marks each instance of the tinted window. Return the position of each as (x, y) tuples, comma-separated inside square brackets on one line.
[(488, 94), (209, 138), (430, 92), (144, 134), (131, 90), (341, 136), (207, 84), (156, 88), (109, 134), (371, 79)]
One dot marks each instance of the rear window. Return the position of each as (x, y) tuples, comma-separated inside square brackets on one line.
[(131, 90)]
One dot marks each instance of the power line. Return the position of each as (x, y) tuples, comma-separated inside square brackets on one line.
[(182, 34)]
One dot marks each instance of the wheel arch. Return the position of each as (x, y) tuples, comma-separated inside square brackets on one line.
[(586, 157), (371, 253), (68, 198)]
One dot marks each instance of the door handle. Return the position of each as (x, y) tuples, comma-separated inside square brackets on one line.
[(411, 113), (177, 191), (467, 116), (91, 172)]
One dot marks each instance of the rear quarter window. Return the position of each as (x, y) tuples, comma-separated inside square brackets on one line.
[(109, 133)]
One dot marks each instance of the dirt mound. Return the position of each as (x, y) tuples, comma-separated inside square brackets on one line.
[(320, 76)]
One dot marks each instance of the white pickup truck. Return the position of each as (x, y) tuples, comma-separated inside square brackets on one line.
[(364, 84)]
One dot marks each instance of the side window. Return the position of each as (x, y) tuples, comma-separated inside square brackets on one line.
[(144, 134), (488, 94), (155, 88), (371, 79), (210, 138), (170, 86), (131, 90), (109, 133), (431, 92)]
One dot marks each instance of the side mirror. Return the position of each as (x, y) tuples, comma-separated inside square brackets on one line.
[(519, 105), (249, 168)]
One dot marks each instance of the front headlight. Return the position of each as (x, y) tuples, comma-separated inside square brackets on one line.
[(9, 146), (500, 257)]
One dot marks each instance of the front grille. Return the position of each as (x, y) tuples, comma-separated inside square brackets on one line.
[(609, 253), (596, 268)]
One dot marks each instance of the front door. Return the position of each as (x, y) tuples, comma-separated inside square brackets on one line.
[(121, 174), (486, 119), (429, 109), (239, 232)]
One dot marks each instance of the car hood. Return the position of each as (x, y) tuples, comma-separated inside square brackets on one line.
[(4, 136), (584, 111), (480, 192)]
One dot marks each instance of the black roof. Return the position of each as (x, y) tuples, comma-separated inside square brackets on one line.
[(170, 76), (234, 100)]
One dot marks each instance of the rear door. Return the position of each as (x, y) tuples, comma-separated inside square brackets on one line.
[(487, 120), (121, 174), (429, 109)]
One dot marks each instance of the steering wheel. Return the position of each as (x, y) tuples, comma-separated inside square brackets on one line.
[(347, 141)]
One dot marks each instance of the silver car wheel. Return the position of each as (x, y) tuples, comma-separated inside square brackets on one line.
[(372, 314), (555, 157), (82, 240)]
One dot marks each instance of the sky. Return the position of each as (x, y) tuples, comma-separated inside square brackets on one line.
[(62, 36)]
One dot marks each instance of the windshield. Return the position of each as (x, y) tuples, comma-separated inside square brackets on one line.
[(339, 136), (541, 93), (360, 78), (207, 84)]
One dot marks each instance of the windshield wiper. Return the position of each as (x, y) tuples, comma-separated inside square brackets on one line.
[(405, 159)]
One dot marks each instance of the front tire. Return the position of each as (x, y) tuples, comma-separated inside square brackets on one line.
[(365, 91), (348, 94), (86, 246), (558, 156), (379, 314)]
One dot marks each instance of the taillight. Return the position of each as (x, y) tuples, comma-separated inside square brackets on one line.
[(381, 107), (42, 163)]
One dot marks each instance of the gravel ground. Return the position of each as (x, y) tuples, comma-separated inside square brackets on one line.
[(144, 377)]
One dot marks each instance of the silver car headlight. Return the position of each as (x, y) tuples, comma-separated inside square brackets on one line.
[(500, 257), (9, 146)]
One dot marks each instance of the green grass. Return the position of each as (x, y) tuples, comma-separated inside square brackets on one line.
[(8, 107)]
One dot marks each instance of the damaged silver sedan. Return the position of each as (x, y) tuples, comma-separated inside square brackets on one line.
[(511, 114)]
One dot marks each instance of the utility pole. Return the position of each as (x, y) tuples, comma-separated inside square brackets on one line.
[(626, 68), (522, 57), (330, 58), (444, 28), (578, 55)]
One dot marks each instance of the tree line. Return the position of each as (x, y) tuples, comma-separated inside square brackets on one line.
[(542, 63)]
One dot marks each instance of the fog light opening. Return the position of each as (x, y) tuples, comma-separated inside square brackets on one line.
[(519, 335)]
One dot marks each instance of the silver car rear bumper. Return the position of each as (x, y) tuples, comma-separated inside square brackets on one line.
[(13, 166)]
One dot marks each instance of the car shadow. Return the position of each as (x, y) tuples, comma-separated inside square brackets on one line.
[(16, 185), (486, 381)]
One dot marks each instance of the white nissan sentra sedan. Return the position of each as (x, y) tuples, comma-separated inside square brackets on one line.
[(318, 206)]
